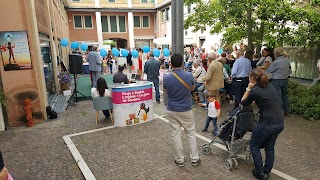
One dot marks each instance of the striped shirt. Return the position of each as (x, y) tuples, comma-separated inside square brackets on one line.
[(241, 68)]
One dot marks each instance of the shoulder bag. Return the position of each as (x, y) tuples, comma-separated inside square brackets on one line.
[(184, 83)]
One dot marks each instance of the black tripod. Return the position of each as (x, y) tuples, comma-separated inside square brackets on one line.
[(74, 96)]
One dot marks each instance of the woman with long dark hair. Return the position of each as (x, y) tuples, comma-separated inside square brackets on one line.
[(266, 59), (101, 91), (270, 123)]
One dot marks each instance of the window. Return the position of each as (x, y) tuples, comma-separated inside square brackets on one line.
[(155, 23), (77, 21), (144, 1), (122, 23), (151, 1), (87, 21), (136, 21), (104, 23), (113, 24), (145, 21), (165, 14), (111, 0)]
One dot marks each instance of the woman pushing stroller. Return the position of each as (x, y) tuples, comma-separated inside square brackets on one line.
[(270, 123)]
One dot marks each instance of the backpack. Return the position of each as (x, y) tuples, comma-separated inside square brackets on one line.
[(51, 113)]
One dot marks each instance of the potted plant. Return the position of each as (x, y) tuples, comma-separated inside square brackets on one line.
[(64, 79)]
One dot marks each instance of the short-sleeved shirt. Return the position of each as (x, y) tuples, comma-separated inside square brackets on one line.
[(179, 97), (213, 109), (95, 93)]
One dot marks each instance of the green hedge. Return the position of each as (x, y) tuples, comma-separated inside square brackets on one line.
[(303, 101)]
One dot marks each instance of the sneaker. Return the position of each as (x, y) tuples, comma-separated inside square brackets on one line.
[(262, 176), (206, 108), (204, 130), (196, 163), (180, 164)]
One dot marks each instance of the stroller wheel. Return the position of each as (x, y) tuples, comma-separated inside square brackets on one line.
[(206, 149), (249, 159), (235, 163), (229, 164)]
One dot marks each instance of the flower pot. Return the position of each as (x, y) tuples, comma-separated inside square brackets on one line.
[(64, 86)]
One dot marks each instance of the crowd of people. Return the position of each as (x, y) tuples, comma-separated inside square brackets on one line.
[(241, 74), (246, 79)]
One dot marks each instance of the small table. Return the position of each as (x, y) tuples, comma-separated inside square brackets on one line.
[(132, 103)]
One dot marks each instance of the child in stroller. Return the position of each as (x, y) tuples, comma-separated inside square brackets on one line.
[(231, 133)]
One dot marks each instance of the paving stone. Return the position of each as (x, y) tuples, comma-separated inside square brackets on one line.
[(143, 151)]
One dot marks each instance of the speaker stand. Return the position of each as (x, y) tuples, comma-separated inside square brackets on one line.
[(74, 96)]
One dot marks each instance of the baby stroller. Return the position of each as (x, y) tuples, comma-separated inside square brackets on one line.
[(231, 132)]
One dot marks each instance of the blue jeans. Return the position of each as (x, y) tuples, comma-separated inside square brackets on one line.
[(214, 122), (197, 85), (281, 86), (264, 136), (155, 81)]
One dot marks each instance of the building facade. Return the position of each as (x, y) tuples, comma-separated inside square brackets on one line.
[(34, 30), (129, 23)]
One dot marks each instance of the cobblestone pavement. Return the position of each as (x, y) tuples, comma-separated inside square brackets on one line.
[(142, 151)]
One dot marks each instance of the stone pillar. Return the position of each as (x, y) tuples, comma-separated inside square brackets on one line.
[(177, 26), (34, 44), (130, 26), (99, 26)]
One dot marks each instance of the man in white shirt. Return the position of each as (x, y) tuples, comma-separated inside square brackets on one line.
[(198, 73)]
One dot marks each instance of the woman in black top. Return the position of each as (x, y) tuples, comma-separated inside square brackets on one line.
[(3, 170), (270, 123)]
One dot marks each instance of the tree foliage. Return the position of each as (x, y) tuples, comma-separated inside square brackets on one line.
[(270, 22)]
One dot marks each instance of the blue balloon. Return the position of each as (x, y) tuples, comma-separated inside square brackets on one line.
[(115, 52), (74, 45), (146, 49), (103, 52), (135, 53), (84, 46), (166, 52), (156, 52), (220, 51), (124, 53), (64, 42)]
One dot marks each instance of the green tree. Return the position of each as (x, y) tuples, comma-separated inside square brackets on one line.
[(259, 21)]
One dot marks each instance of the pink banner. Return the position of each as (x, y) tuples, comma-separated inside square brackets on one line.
[(132, 96)]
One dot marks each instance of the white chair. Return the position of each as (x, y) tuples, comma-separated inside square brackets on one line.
[(103, 103)]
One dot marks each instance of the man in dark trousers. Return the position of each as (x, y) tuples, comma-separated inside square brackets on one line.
[(151, 68), (95, 61)]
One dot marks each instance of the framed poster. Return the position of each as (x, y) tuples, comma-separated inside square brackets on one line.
[(14, 50)]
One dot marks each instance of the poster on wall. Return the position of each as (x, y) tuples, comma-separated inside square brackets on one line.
[(14, 50)]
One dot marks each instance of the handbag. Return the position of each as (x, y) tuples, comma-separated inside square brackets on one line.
[(9, 177), (184, 83)]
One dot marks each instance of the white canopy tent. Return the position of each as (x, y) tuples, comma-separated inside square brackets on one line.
[(167, 41)]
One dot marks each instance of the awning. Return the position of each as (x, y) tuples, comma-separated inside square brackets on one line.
[(143, 37), (167, 41)]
